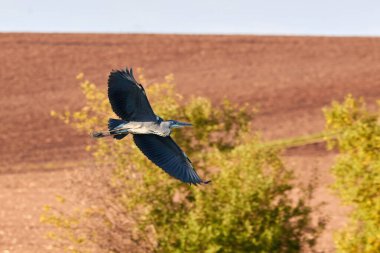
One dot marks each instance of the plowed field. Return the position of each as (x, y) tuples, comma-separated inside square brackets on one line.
[(288, 78)]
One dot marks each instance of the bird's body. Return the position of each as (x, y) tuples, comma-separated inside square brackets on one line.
[(150, 132), (147, 127)]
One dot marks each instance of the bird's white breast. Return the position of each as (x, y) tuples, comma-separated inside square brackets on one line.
[(147, 128)]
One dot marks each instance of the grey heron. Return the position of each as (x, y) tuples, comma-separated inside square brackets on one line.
[(150, 132)]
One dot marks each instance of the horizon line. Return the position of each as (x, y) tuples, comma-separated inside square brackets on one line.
[(199, 34)]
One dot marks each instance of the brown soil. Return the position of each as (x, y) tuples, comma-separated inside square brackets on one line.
[(288, 78)]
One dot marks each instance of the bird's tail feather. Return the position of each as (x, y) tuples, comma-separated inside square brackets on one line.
[(113, 124)]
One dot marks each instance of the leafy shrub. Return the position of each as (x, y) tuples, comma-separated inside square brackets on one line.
[(357, 173), (139, 208)]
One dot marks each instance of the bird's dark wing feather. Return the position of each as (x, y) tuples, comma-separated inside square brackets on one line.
[(128, 98), (166, 154)]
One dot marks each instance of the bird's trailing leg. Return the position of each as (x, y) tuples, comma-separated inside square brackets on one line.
[(115, 134), (114, 129), (100, 134)]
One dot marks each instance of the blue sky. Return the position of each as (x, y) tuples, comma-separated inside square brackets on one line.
[(293, 17)]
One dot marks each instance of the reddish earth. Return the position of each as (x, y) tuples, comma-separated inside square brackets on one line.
[(289, 78)]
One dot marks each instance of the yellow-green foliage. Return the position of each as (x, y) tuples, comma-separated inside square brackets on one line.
[(357, 173), (245, 209)]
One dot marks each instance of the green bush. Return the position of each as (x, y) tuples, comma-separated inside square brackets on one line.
[(357, 173), (139, 208)]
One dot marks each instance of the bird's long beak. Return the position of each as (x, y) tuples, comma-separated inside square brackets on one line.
[(181, 124)]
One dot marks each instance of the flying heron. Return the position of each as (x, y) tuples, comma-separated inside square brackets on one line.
[(150, 132)]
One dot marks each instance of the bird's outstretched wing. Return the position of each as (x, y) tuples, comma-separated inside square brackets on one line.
[(166, 154), (128, 98)]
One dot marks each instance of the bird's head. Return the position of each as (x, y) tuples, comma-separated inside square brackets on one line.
[(177, 124)]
